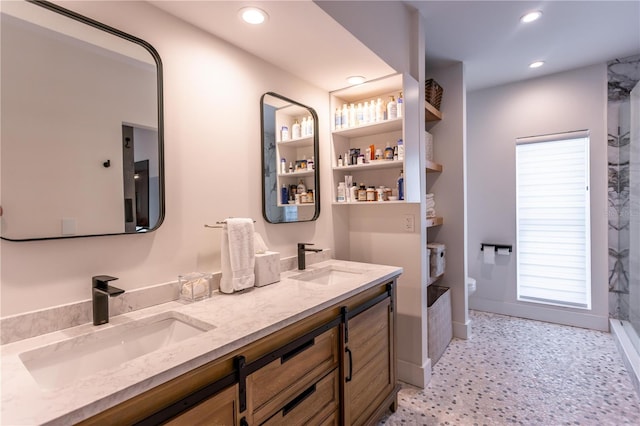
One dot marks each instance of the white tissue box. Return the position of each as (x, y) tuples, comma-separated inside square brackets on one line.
[(267, 268), (437, 261), (195, 286)]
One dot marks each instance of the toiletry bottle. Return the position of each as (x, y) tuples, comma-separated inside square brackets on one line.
[(400, 186), (283, 166), (359, 115), (310, 126), (372, 111), (368, 154), (395, 153), (372, 153), (284, 195), (392, 109), (340, 163), (301, 187), (362, 193), (311, 164), (337, 119), (290, 167), (365, 113), (344, 118), (352, 115), (353, 192), (379, 110), (371, 194), (379, 155), (284, 133), (388, 152), (295, 130), (341, 193), (400, 150), (400, 105), (309, 195), (304, 128), (292, 193)]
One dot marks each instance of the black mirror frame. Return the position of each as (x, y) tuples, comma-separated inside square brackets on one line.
[(316, 153)]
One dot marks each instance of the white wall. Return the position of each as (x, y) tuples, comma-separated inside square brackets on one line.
[(557, 103), (212, 160)]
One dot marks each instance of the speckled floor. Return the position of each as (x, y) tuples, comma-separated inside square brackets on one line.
[(518, 371)]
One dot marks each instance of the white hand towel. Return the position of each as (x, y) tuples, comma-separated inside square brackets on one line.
[(237, 255)]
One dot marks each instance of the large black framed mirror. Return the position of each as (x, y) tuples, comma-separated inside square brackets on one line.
[(290, 160), (82, 129)]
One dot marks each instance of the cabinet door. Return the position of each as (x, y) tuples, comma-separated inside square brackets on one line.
[(219, 410), (369, 362)]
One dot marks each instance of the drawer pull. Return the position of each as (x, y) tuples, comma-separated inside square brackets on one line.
[(306, 345), (348, 378), (298, 399)]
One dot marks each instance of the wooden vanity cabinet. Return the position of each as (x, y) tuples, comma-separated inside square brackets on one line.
[(335, 367), (370, 386)]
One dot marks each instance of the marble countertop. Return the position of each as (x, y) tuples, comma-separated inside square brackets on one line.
[(237, 319)]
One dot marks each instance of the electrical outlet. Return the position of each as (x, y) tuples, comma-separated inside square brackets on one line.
[(408, 223)]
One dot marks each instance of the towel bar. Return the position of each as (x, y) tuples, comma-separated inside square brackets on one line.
[(219, 224)]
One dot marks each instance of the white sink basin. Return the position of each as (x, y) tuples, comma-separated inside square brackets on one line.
[(62, 363), (329, 275)]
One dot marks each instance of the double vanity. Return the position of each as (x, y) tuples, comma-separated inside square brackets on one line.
[(316, 347)]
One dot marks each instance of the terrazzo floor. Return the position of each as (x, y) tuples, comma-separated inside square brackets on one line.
[(518, 371)]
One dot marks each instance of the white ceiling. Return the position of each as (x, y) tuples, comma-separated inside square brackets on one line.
[(486, 35)]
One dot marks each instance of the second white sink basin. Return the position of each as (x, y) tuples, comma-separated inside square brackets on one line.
[(329, 275), (62, 363)]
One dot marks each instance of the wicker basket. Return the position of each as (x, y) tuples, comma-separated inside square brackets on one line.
[(433, 93), (439, 322)]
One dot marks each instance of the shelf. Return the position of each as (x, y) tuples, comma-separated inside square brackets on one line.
[(297, 205), (434, 221), (431, 113), (371, 128), (434, 279), (296, 174), (433, 167), (373, 203), (373, 165), (298, 143)]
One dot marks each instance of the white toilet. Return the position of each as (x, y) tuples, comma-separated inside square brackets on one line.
[(471, 286)]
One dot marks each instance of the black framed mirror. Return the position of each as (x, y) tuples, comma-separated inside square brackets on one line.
[(290, 160), (82, 129)]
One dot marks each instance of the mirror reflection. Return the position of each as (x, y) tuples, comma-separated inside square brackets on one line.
[(81, 127), (291, 182)]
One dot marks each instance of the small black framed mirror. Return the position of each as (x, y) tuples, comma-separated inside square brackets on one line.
[(290, 160)]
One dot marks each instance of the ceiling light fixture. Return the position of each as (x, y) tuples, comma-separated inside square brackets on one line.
[(536, 64), (253, 15), (531, 16), (356, 79)]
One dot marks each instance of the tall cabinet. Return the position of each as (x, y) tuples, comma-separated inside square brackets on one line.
[(433, 169)]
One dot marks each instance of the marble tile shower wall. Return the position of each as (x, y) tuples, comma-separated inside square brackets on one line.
[(623, 74)]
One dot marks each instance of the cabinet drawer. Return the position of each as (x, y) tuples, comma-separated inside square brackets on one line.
[(312, 406), (287, 376)]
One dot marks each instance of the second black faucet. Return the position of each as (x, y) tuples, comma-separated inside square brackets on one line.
[(302, 256)]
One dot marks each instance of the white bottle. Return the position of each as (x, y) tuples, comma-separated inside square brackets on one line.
[(400, 105), (337, 119), (392, 109), (303, 127), (342, 196), (284, 133), (372, 111), (283, 166), (359, 115), (295, 130), (365, 113), (353, 192), (310, 163), (379, 110), (344, 119), (400, 150), (352, 115), (310, 126)]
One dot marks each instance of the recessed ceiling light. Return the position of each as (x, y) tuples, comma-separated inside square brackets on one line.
[(536, 64), (253, 15), (356, 79), (531, 16)]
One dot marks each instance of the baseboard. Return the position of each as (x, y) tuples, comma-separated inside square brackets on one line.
[(629, 355), (462, 331), (541, 313), (413, 374)]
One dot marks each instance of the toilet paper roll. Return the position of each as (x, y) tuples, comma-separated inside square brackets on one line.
[(489, 255), (504, 252)]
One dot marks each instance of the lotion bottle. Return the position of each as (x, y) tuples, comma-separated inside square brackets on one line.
[(379, 110), (283, 166), (310, 126), (392, 109), (304, 127), (400, 105), (352, 115), (344, 119), (337, 119), (365, 113), (353, 192), (372, 111), (341, 193), (295, 130)]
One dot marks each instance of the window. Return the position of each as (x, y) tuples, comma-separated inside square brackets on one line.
[(553, 221)]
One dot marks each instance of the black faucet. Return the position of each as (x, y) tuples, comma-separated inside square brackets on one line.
[(301, 255), (100, 293)]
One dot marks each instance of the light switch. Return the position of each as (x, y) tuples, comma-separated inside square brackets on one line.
[(408, 223), (69, 226)]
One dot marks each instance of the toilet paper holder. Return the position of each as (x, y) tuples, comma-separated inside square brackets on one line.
[(496, 246)]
